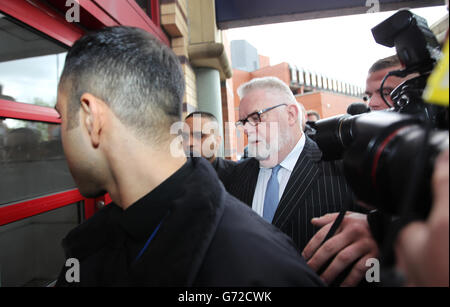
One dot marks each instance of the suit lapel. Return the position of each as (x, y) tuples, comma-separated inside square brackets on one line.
[(242, 183), (251, 173), (303, 177)]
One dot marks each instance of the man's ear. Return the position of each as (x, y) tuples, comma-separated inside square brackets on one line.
[(92, 116), (293, 111)]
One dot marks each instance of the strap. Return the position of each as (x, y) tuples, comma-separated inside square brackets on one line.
[(150, 239)]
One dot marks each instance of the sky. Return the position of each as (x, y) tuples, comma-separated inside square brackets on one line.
[(39, 82), (338, 47), (341, 48)]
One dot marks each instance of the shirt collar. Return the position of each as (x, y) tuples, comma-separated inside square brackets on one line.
[(291, 159)]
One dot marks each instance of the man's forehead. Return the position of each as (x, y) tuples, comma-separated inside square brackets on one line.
[(61, 97), (256, 100), (197, 121), (379, 74)]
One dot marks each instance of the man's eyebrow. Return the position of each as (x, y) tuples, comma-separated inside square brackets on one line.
[(251, 113)]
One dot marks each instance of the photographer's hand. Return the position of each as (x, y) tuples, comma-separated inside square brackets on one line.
[(422, 248), (352, 242)]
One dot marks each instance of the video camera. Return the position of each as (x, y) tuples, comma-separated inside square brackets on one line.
[(388, 156)]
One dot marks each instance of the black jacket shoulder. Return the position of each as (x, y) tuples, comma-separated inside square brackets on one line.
[(248, 251)]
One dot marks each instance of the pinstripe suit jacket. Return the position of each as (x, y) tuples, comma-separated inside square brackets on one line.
[(315, 188)]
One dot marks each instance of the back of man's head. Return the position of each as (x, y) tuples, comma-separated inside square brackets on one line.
[(313, 115), (138, 77)]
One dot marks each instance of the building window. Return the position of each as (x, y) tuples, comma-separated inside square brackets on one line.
[(32, 161), (146, 5), (30, 64), (152, 9), (31, 252)]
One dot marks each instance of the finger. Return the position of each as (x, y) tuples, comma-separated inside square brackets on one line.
[(410, 242), (315, 242), (345, 258), (440, 185), (324, 220), (329, 249), (365, 205), (358, 272)]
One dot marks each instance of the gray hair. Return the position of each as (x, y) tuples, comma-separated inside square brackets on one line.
[(272, 84)]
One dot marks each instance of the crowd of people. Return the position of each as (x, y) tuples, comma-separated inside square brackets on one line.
[(196, 219)]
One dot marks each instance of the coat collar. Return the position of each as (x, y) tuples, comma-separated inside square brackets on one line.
[(176, 254), (177, 251)]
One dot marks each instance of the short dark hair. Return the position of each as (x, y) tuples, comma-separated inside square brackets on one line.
[(134, 73), (312, 112), (202, 113), (384, 63)]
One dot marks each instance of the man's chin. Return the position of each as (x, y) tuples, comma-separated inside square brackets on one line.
[(260, 152), (269, 162), (258, 155), (88, 192)]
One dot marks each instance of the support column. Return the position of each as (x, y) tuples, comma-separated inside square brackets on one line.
[(209, 97)]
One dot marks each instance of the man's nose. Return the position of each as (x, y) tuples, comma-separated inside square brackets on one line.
[(376, 102), (248, 128), (187, 141)]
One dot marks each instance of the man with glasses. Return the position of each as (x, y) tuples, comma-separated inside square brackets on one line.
[(376, 74), (287, 183)]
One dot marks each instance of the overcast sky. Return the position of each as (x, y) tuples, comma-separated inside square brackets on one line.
[(338, 47), (32, 78)]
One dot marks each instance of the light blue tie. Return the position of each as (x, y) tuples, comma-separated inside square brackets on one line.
[(271, 197)]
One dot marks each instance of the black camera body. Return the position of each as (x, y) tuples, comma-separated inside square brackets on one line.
[(415, 43), (388, 156)]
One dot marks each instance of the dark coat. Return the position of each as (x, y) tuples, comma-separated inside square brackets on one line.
[(315, 188), (208, 239), (223, 167)]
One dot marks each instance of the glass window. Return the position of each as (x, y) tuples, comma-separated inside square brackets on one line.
[(30, 64), (301, 77), (32, 161), (30, 249), (146, 6)]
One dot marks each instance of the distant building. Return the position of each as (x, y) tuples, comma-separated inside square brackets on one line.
[(244, 56), (316, 92)]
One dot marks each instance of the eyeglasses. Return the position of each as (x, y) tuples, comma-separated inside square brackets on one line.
[(255, 117), (386, 93)]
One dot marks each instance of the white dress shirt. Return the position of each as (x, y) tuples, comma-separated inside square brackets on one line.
[(287, 166)]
